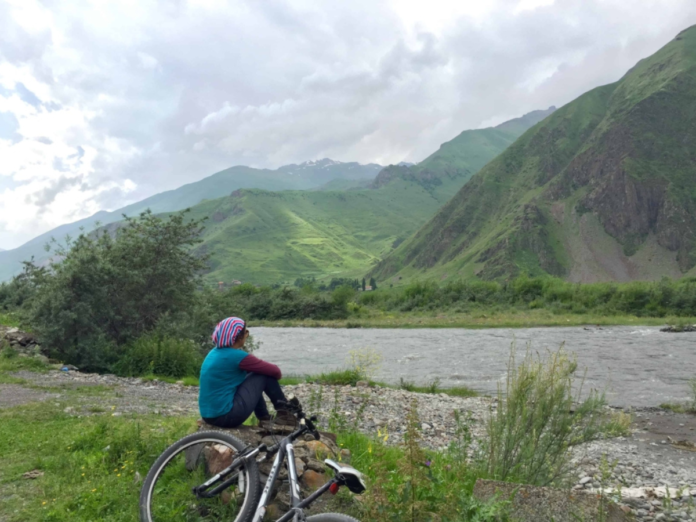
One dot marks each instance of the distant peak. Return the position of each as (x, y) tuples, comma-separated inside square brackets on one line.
[(322, 163)]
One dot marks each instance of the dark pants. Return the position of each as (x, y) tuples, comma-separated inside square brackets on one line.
[(248, 398)]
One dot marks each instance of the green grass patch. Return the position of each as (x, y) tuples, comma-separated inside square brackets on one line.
[(7, 319), (89, 464), (186, 381)]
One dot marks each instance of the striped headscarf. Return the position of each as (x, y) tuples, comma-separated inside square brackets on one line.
[(227, 331)]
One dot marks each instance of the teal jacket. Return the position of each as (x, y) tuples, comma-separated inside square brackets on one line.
[(220, 378)]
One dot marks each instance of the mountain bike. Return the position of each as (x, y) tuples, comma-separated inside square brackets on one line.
[(194, 480)]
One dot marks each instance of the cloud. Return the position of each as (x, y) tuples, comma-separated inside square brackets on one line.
[(137, 98)]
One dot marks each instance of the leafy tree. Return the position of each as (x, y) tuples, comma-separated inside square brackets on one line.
[(373, 283), (111, 287), (363, 284)]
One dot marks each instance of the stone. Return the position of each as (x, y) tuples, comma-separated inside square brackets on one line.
[(299, 466), (218, 457), (313, 480), (315, 465), (362, 384), (345, 455), (543, 504), (585, 480), (316, 449)]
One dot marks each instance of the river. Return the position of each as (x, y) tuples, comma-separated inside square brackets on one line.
[(635, 366)]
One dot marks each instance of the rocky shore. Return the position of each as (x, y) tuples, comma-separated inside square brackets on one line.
[(654, 474)]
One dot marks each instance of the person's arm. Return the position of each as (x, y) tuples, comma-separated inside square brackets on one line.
[(253, 364)]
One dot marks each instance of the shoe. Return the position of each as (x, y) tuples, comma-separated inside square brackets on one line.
[(285, 418)]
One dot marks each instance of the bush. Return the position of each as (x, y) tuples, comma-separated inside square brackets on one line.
[(158, 355), (538, 418), (112, 287)]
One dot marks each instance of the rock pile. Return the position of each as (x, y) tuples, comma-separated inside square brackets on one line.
[(679, 328), (24, 343), (309, 458)]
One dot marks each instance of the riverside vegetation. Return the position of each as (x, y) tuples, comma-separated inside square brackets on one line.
[(89, 467)]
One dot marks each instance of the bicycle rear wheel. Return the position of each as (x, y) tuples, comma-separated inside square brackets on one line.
[(167, 493)]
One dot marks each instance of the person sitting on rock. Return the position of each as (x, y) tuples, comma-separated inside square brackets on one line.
[(232, 381)]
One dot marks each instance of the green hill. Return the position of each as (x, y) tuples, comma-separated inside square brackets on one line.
[(307, 175), (603, 189), (266, 237), (340, 229)]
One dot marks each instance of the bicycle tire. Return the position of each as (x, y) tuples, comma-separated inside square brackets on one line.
[(253, 485), (331, 517)]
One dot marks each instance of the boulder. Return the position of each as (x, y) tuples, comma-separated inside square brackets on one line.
[(542, 504)]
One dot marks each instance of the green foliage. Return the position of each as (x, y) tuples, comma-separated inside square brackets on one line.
[(347, 377), (110, 289), (537, 419), (643, 299), (408, 483), (162, 356)]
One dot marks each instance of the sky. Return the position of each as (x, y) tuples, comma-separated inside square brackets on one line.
[(105, 103)]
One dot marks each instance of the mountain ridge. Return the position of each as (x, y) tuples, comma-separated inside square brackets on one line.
[(619, 156)]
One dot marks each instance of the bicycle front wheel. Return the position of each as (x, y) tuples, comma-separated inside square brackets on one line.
[(168, 491)]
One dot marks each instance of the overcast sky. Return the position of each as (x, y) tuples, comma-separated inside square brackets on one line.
[(105, 103)]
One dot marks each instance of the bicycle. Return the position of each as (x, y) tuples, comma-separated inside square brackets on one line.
[(233, 492)]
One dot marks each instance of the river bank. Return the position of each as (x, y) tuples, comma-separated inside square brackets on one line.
[(481, 319), (644, 464)]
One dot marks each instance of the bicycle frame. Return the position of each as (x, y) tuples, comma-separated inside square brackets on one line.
[(297, 506)]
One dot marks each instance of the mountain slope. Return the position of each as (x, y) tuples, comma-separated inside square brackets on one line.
[(267, 237), (304, 176), (603, 189)]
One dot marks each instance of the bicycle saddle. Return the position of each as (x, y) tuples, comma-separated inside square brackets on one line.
[(351, 476)]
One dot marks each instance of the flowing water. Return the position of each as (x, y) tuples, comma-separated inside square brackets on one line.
[(637, 366)]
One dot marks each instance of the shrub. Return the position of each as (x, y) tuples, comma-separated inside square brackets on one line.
[(158, 355), (538, 418), (112, 287)]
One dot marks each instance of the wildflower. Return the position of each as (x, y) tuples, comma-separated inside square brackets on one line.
[(369, 448), (428, 463), (43, 503), (94, 490), (118, 475)]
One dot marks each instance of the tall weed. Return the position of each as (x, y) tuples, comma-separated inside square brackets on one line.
[(538, 418)]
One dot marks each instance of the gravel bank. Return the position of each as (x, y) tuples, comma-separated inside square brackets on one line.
[(646, 466)]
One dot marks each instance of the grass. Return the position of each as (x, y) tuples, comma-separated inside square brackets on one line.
[(186, 381), (688, 407), (350, 377), (7, 319), (493, 319), (89, 464)]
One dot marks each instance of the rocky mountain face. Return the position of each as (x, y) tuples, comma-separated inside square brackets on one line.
[(603, 189)]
